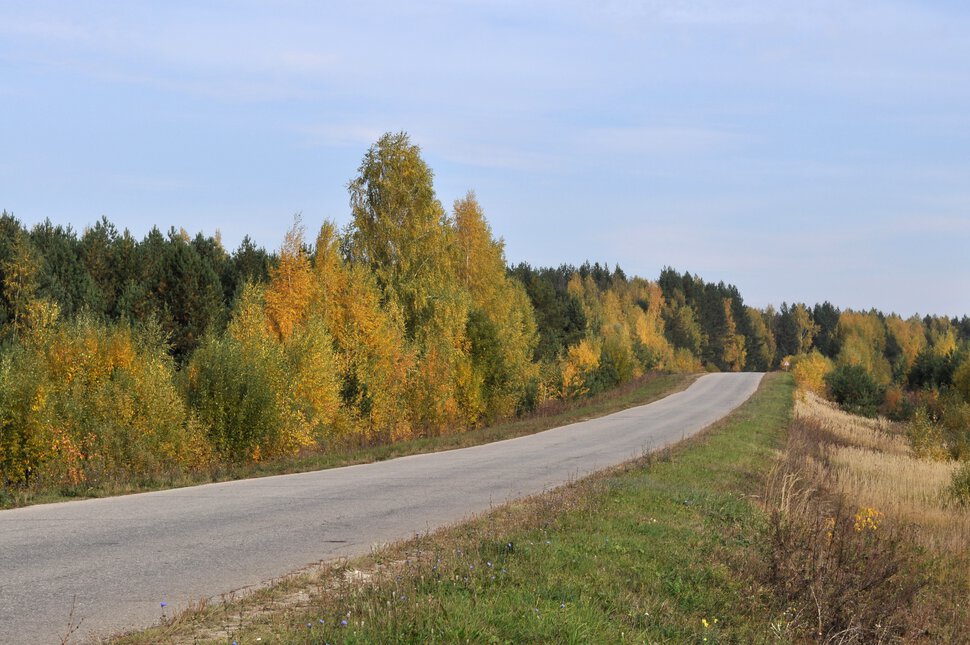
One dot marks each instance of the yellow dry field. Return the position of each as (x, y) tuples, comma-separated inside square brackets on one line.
[(872, 463)]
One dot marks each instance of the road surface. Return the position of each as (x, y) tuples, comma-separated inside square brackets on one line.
[(117, 559)]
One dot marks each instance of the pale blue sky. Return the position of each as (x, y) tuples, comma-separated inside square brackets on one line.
[(801, 150)]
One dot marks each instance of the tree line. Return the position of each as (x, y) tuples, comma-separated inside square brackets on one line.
[(122, 357)]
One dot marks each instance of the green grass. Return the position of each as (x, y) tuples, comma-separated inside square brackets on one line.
[(646, 389), (643, 553)]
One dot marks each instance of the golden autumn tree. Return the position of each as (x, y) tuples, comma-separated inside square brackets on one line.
[(862, 342), (626, 323), (373, 358), (941, 336), (643, 305), (905, 339), (761, 353), (732, 344), (271, 385), (501, 326), (291, 287), (577, 366), (809, 371), (401, 233)]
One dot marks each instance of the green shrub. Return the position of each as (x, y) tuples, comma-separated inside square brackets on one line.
[(926, 436), (853, 388), (956, 426), (960, 485), (234, 393)]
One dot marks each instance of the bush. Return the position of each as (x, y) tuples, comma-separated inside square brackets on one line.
[(810, 370), (854, 389), (961, 380), (233, 393), (931, 370), (956, 426), (260, 395), (897, 404), (839, 573), (842, 571), (960, 485), (926, 436), (83, 401)]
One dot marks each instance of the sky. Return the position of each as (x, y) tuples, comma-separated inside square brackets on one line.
[(802, 150)]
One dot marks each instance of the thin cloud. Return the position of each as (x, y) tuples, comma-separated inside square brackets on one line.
[(659, 140), (340, 135)]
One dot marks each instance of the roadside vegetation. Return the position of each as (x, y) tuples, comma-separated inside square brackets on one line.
[(551, 414), (868, 541), (664, 549), (789, 521)]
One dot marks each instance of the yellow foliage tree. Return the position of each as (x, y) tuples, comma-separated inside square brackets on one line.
[(862, 339), (734, 353), (581, 360), (291, 289), (501, 326), (374, 360), (810, 370), (910, 339)]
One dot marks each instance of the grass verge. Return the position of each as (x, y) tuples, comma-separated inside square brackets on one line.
[(658, 550), (648, 388)]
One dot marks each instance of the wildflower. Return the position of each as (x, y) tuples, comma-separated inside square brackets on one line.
[(163, 604), (705, 623), (867, 519), (343, 622)]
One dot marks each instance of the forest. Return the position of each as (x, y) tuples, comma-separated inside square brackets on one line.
[(128, 358)]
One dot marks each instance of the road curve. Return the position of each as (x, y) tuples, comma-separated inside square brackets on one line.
[(117, 559)]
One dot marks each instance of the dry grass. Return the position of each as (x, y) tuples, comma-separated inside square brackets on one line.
[(878, 434), (865, 543), (871, 463)]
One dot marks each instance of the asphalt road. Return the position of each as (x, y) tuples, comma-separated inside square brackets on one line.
[(117, 559)]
